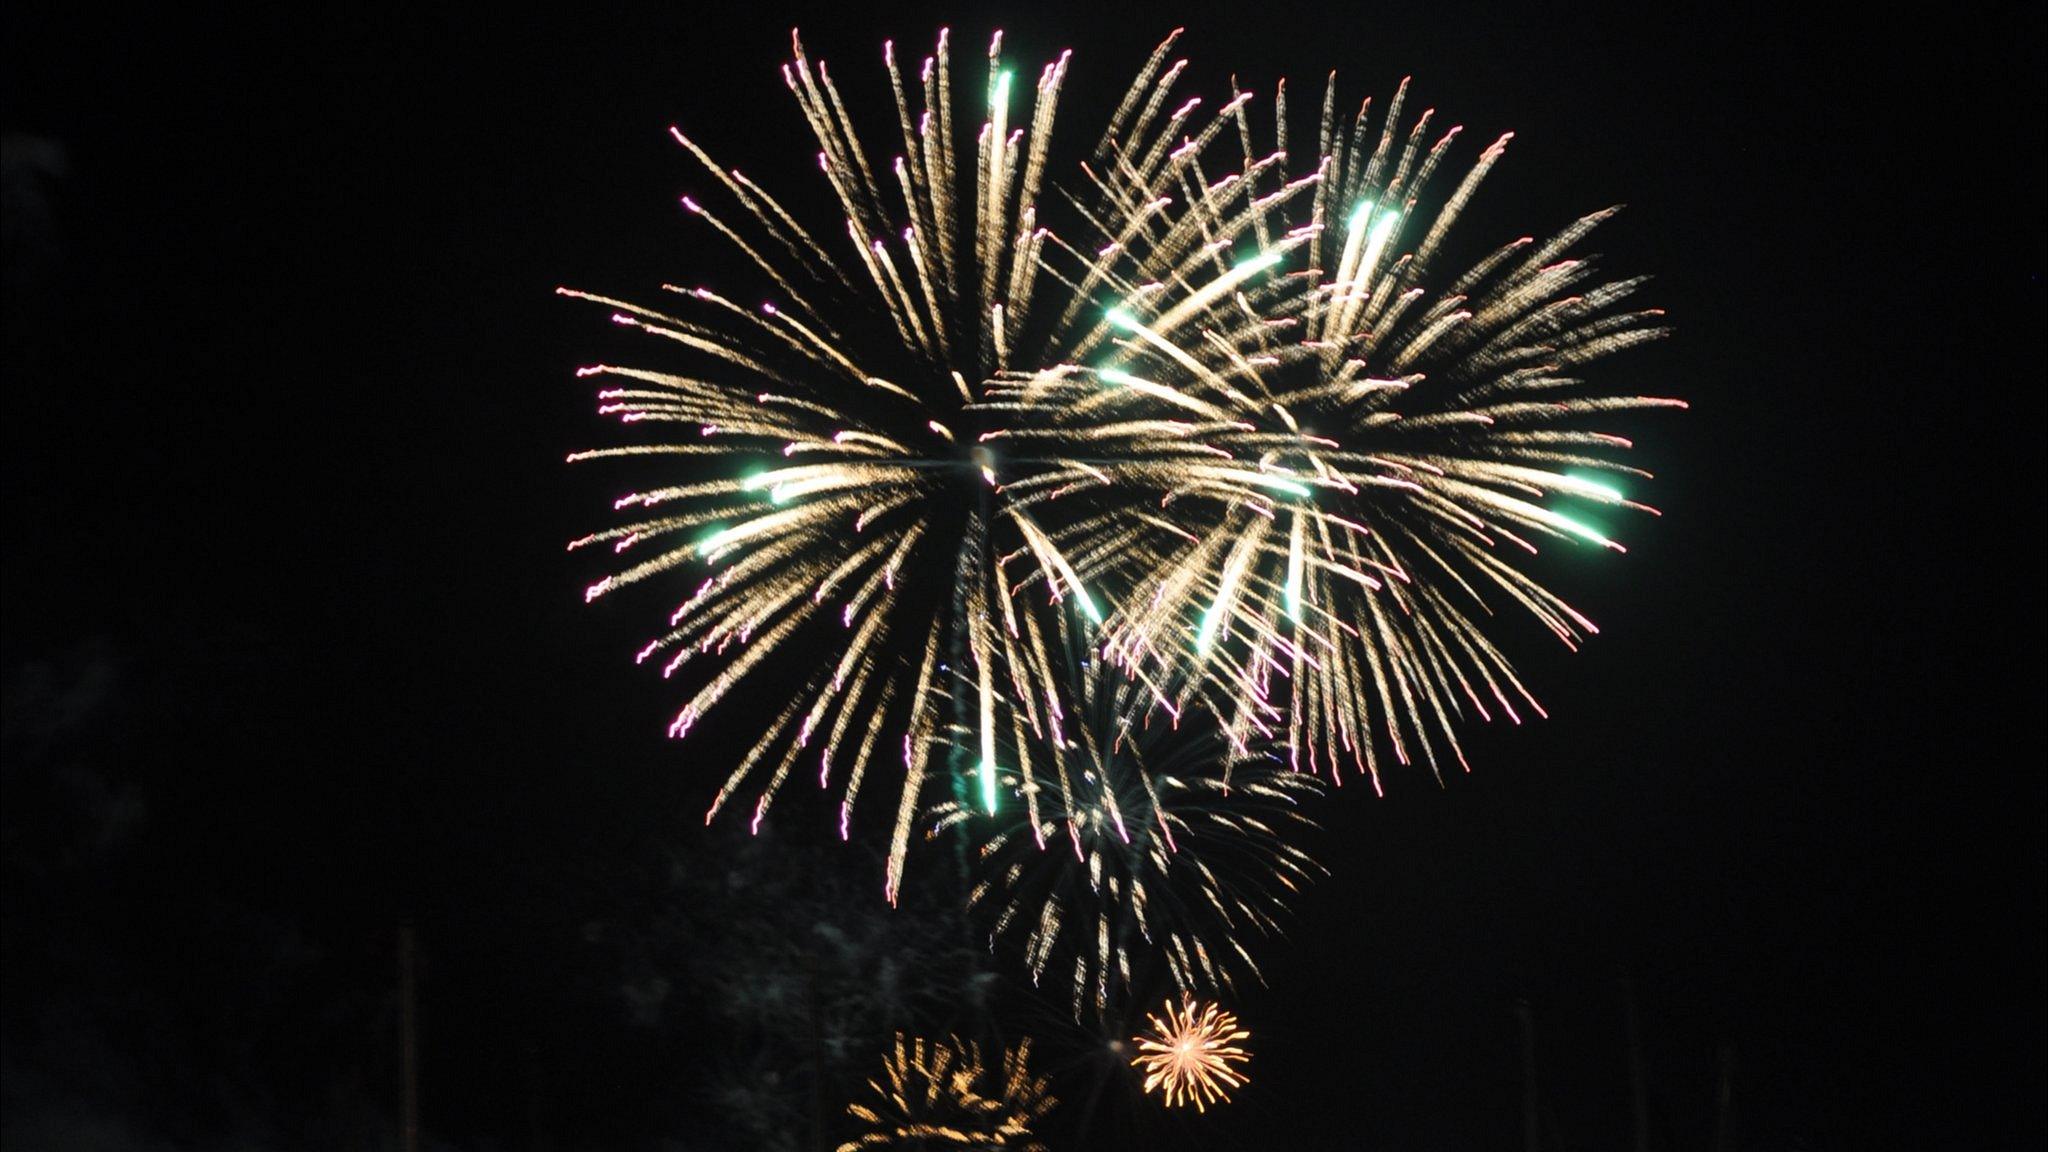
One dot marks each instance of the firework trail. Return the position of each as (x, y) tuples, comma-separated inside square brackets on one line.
[(909, 450), (941, 1095), (1137, 838), (1413, 435), (1191, 1054)]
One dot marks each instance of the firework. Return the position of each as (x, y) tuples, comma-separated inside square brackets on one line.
[(1136, 838), (1191, 1054), (941, 1095), (910, 448), (1413, 434)]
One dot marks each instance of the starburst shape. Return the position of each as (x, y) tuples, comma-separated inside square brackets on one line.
[(1191, 1054)]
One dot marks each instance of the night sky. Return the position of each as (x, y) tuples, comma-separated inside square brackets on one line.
[(293, 653)]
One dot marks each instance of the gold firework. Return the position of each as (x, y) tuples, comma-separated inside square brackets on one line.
[(1399, 439), (1191, 1054), (941, 1095), (1235, 429), (911, 455)]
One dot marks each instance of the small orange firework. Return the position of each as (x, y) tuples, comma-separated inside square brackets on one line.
[(941, 1095), (1193, 1055)]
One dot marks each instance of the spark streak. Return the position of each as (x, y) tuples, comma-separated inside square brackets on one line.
[(833, 484)]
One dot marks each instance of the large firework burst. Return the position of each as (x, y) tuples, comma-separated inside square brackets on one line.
[(934, 1094), (1415, 434), (1138, 838), (1191, 1054), (907, 450)]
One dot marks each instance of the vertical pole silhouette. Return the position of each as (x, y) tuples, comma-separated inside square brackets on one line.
[(1638, 1085), (408, 1047), (1531, 1140), (1724, 1086)]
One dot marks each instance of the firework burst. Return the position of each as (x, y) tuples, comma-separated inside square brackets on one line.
[(1191, 1055), (941, 1095), (908, 449), (1137, 838), (1414, 435)]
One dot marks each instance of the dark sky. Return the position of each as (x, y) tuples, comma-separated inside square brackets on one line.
[(287, 396)]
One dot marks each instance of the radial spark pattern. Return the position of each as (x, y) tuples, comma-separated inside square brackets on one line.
[(906, 451), (1191, 1055), (1238, 427), (1413, 435), (940, 1095)]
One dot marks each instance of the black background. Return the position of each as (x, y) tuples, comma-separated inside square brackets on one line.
[(287, 399)]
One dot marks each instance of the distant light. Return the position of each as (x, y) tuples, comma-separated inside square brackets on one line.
[(1257, 263), (1088, 604), (1585, 530), (1208, 629), (1593, 488), (1381, 227), (1278, 484)]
